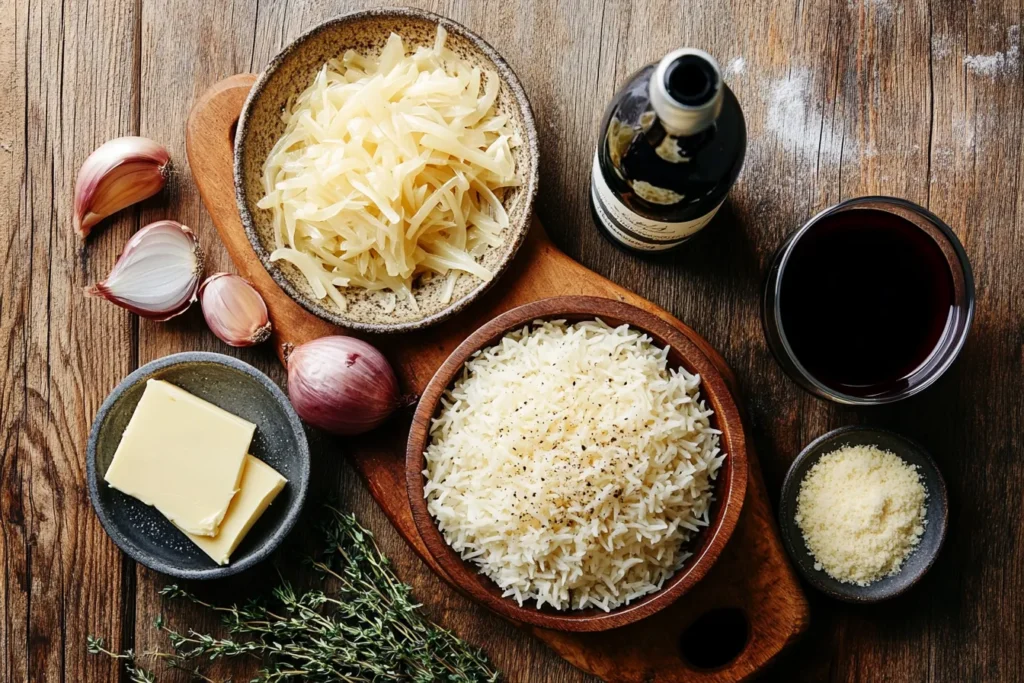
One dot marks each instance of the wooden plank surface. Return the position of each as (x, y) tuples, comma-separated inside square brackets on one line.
[(912, 98)]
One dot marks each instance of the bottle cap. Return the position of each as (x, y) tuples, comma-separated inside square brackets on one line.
[(686, 91)]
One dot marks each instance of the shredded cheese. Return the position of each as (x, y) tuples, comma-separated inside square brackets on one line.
[(571, 464), (861, 511), (391, 168)]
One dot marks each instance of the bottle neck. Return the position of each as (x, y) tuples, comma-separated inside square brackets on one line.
[(686, 91)]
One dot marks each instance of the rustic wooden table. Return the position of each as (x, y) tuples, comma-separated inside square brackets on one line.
[(842, 97)]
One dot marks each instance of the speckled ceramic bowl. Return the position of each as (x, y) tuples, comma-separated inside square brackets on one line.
[(280, 441), (260, 126)]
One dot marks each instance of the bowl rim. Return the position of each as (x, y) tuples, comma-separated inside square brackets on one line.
[(793, 540), (532, 177), (730, 485), (300, 489)]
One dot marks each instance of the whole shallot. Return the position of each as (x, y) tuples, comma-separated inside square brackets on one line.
[(342, 385)]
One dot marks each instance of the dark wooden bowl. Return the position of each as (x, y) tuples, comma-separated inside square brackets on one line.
[(730, 485)]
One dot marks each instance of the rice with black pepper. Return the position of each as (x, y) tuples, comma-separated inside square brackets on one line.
[(571, 464)]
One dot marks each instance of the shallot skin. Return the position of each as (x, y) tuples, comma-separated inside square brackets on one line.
[(342, 385)]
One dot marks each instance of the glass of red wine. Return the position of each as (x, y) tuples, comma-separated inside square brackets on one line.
[(869, 302)]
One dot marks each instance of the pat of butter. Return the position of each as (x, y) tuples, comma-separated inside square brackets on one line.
[(260, 485), (183, 456)]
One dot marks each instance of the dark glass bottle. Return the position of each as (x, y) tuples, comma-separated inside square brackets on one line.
[(671, 145)]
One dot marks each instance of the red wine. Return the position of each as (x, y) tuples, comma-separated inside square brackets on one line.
[(865, 298)]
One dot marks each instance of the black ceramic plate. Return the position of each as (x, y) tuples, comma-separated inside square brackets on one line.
[(140, 530), (920, 559)]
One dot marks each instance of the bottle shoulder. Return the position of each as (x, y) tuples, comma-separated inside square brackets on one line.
[(661, 176)]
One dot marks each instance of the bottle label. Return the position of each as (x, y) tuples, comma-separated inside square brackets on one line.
[(635, 230)]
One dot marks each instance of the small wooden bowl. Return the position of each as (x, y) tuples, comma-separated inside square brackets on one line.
[(260, 126), (730, 485), (920, 559)]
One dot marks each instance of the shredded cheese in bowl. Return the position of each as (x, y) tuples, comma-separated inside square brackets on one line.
[(571, 464), (391, 168)]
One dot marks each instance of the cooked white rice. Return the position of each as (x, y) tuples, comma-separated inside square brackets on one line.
[(571, 464)]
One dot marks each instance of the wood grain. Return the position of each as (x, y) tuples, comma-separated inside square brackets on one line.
[(61, 579), (842, 97)]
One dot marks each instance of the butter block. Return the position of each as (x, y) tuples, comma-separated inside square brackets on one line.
[(182, 455), (260, 485)]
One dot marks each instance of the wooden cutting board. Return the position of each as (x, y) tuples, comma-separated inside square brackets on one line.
[(752, 579)]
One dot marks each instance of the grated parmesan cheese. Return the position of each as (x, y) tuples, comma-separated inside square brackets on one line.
[(391, 168), (861, 511), (571, 464)]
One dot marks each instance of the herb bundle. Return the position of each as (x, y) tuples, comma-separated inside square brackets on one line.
[(369, 629)]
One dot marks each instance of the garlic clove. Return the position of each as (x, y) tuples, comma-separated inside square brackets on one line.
[(116, 175), (234, 310), (157, 274)]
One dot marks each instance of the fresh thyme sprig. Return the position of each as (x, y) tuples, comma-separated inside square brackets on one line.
[(368, 629), (130, 660)]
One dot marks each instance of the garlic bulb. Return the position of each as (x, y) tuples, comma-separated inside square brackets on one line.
[(234, 310), (118, 174), (157, 274)]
